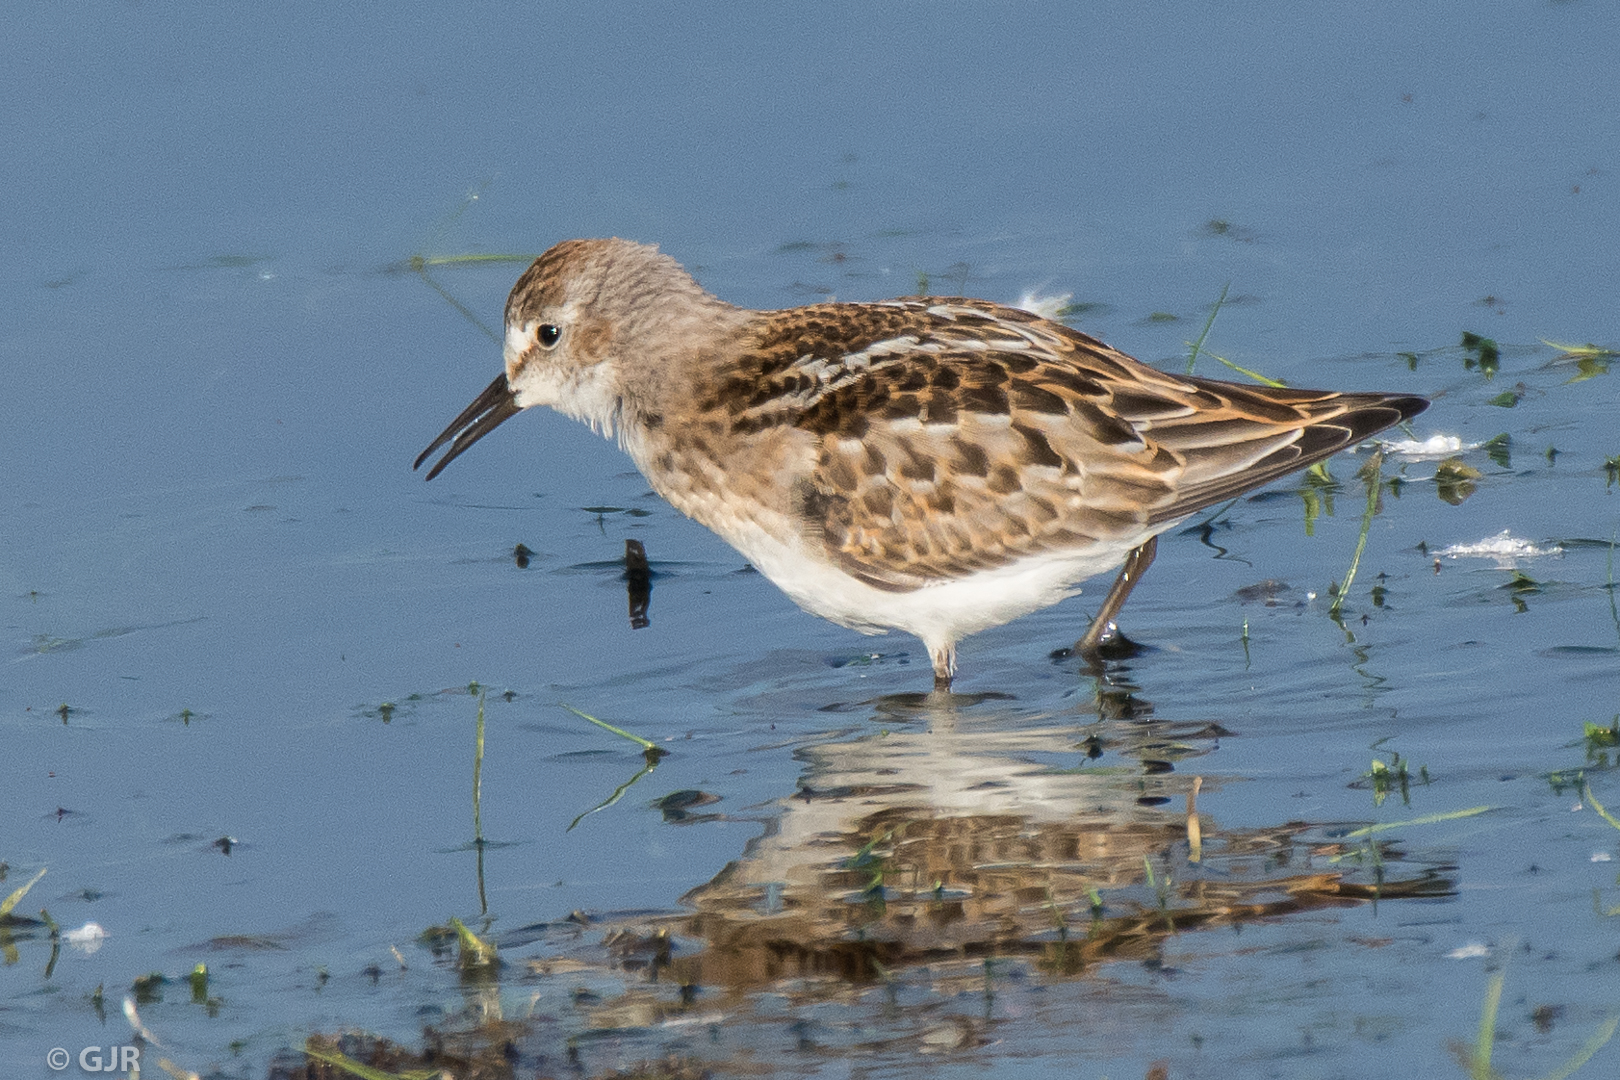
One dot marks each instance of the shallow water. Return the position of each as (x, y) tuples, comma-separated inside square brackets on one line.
[(218, 365)]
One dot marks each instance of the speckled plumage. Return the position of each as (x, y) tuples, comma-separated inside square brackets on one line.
[(935, 465)]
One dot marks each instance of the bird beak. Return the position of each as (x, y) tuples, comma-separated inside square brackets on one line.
[(491, 408)]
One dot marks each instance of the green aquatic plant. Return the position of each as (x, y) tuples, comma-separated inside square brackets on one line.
[(1372, 475), (1570, 352), (1590, 360), (1481, 353), (1477, 1058), (11, 901), (1075, 310), (618, 792), (1359, 845), (1602, 811), (475, 952), (1393, 775), (1598, 738), (422, 265), (1317, 493), (1587, 367), (1163, 888), (867, 857), (477, 803), (1521, 587), (1265, 380), (1198, 346), (1599, 808), (149, 988), (652, 749), (1424, 819), (1522, 582), (1500, 450), (1209, 322), (339, 1060), (1455, 480)]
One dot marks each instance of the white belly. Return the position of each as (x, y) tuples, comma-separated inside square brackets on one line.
[(941, 614)]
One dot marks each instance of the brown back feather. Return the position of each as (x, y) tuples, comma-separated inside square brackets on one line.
[(1007, 435)]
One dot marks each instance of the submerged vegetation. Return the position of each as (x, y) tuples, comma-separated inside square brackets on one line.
[(1481, 353), (1394, 775)]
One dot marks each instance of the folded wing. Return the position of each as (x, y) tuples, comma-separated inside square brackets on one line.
[(965, 436)]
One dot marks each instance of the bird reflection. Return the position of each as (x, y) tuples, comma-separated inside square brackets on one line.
[(637, 583), (961, 831)]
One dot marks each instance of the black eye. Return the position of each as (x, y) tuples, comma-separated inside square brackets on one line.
[(549, 333)]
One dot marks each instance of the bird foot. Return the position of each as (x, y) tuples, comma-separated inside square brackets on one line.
[(1100, 649)]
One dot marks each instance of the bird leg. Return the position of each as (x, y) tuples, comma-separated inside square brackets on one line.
[(944, 659), (1103, 630)]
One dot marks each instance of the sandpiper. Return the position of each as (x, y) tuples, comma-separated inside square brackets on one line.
[(938, 465)]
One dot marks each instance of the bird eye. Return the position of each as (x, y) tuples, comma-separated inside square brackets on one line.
[(548, 335)]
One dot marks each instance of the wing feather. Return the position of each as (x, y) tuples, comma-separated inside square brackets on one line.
[(954, 436)]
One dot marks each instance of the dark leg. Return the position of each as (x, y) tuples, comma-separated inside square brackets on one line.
[(1104, 631), (638, 583)]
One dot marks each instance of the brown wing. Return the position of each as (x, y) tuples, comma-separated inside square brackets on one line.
[(958, 435)]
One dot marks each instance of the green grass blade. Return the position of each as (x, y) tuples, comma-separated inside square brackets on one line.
[(1264, 380), (478, 773), (11, 901), (1426, 819), (618, 793), (1209, 322), (1486, 1039), (645, 744), (339, 1060), (475, 951), (1579, 350), (419, 261), (467, 313), (1604, 1033), (1372, 473), (1586, 793)]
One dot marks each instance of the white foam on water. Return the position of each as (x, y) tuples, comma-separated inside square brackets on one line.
[(1505, 548), (1431, 449)]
